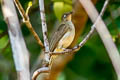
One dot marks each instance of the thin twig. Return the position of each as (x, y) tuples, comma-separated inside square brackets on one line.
[(44, 30), (41, 70), (27, 22), (76, 48), (104, 35)]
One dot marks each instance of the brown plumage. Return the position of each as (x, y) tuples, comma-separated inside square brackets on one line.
[(63, 36)]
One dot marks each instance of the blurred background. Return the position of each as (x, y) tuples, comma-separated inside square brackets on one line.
[(91, 62)]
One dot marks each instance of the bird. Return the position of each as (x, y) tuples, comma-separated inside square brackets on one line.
[(60, 40), (63, 36)]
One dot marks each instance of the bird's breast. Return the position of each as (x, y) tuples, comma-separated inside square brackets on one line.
[(68, 37)]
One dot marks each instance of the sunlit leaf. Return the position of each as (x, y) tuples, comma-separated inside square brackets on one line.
[(60, 8)]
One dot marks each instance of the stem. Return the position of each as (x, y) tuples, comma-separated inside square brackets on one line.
[(20, 52), (27, 22), (44, 30)]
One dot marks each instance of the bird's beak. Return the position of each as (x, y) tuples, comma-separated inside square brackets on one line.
[(71, 12)]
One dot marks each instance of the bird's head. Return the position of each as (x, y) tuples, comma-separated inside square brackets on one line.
[(67, 16)]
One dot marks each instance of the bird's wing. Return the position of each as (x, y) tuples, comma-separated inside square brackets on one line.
[(59, 33)]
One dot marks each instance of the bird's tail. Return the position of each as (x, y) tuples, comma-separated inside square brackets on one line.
[(53, 58)]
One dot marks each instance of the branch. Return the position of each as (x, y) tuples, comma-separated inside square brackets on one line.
[(41, 70), (77, 48), (44, 30), (104, 34), (20, 52), (27, 22), (46, 43)]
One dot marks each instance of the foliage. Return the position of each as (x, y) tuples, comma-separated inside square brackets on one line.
[(90, 63)]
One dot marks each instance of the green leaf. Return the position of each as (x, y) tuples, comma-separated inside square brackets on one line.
[(60, 8), (3, 42)]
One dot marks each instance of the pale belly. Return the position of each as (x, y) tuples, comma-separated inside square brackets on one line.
[(66, 40)]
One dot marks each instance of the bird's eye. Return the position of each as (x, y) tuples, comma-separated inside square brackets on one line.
[(64, 16)]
